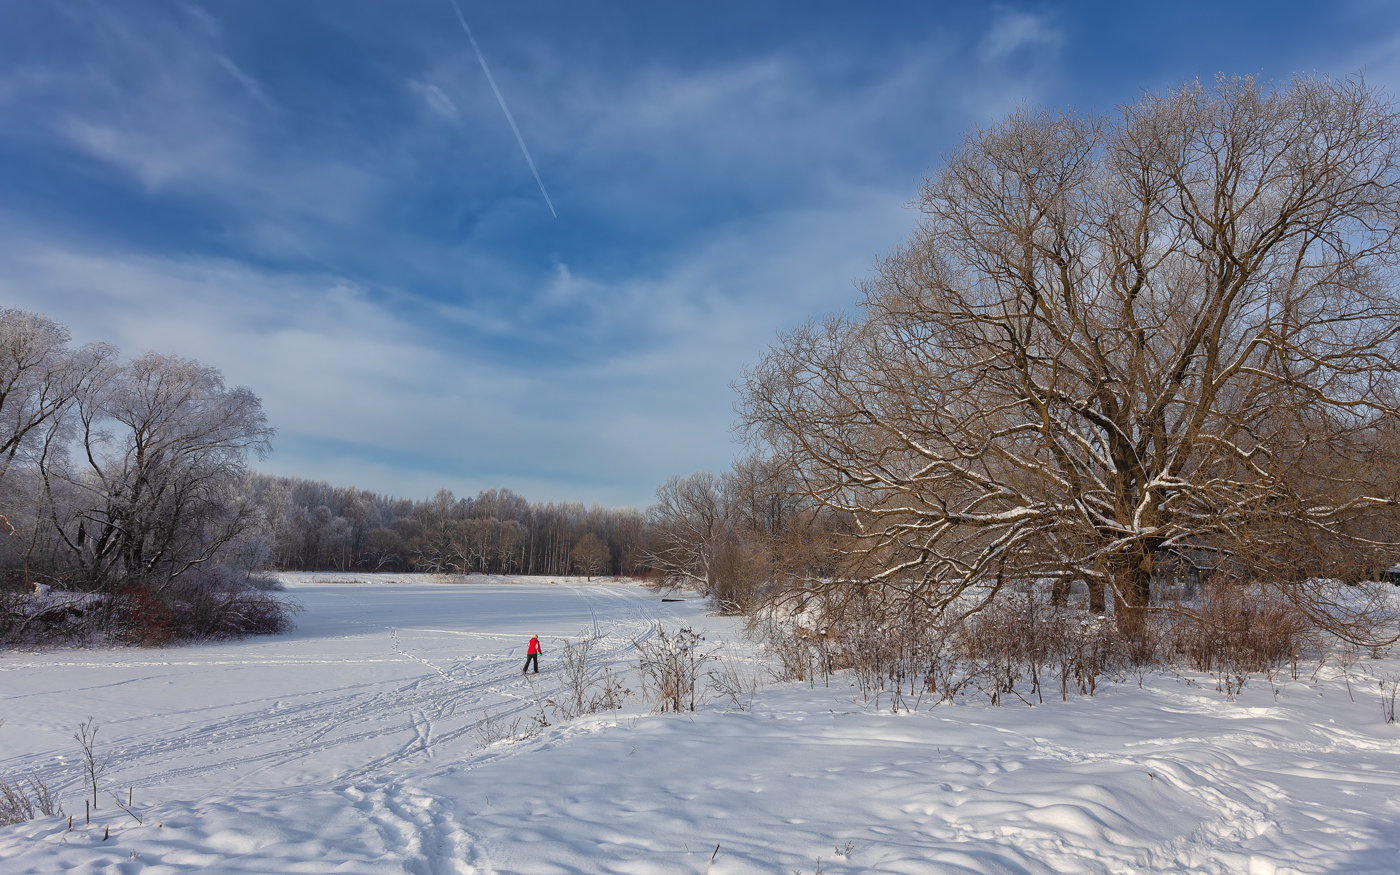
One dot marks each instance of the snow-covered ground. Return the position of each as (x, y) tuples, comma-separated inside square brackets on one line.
[(351, 745)]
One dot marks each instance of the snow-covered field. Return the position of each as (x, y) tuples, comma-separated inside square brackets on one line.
[(351, 745)]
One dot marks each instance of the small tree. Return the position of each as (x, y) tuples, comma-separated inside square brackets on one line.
[(689, 523), (93, 764)]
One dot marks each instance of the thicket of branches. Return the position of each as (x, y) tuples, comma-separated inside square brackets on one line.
[(739, 537), (1020, 645)]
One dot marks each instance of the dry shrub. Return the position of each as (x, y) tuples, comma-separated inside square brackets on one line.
[(891, 646), (1017, 637), (1236, 630), (202, 605), (1390, 693), (1021, 644), (790, 646), (589, 688), (492, 728), (209, 607), (1014, 645), (670, 668), (30, 621), (139, 616), (733, 682), (19, 802)]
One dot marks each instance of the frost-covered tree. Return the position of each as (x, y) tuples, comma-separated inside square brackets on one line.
[(40, 377), (153, 489)]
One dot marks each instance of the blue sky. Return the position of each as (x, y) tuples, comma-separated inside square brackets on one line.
[(324, 200)]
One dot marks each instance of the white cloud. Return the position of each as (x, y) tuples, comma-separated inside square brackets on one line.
[(392, 384), (1012, 32), (161, 102), (156, 160), (436, 100), (341, 368)]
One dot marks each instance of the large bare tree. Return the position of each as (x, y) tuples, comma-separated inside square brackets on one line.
[(1114, 336)]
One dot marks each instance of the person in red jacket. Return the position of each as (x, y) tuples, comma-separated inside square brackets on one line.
[(532, 654)]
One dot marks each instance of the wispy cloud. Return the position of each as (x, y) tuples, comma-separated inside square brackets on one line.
[(436, 100), (368, 261), (341, 367), (1013, 32)]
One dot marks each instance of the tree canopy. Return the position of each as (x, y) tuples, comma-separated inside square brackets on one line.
[(1114, 336)]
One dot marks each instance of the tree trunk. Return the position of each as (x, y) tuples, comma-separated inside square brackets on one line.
[(1097, 603), (1132, 578)]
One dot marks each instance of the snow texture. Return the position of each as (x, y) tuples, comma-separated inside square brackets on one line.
[(351, 745)]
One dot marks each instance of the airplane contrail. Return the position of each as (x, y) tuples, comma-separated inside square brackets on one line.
[(505, 109)]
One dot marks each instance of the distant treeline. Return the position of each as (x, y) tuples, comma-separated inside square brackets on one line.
[(313, 526)]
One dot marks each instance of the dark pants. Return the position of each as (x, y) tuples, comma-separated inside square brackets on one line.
[(533, 658)]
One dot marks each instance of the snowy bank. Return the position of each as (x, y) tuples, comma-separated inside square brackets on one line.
[(352, 745)]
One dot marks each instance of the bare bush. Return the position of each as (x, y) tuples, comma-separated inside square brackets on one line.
[(1010, 645), (202, 606), (1236, 631), (1006, 642), (1390, 691), (733, 682), (492, 728), (782, 641), (26, 798), (670, 668), (1088, 649), (888, 644), (215, 605), (588, 686), (32, 621), (1023, 645), (93, 765), (139, 616)]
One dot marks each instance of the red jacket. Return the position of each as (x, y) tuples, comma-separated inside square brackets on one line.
[(534, 646)]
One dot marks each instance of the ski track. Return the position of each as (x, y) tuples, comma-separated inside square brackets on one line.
[(338, 717), (435, 709)]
